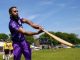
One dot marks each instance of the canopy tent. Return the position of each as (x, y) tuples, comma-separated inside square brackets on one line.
[(2, 44)]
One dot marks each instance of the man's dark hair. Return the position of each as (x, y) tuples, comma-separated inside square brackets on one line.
[(10, 9)]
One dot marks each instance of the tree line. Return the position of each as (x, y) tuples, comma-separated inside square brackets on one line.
[(44, 38), (70, 37)]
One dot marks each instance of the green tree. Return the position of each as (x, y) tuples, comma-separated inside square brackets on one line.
[(30, 39), (73, 38), (3, 36), (70, 37), (50, 39)]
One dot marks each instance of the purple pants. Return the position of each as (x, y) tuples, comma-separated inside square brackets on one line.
[(21, 47)]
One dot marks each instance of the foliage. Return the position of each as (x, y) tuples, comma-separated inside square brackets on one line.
[(3, 36), (70, 37), (30, 39)]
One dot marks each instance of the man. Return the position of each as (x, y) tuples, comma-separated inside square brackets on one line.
[(20, 45), (6, 50), (10, 49)]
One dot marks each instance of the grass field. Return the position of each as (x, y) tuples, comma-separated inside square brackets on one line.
[(55, 54)]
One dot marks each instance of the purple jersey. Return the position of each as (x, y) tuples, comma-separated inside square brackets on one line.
[(13, 27)]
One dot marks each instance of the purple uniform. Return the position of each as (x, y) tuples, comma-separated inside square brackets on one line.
[(19, 44)]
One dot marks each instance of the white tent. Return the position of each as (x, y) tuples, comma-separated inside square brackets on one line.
[(2, 44)]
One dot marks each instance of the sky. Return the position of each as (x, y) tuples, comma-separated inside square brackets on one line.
[(52, 15)]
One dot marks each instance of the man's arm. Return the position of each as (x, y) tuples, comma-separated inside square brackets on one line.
[(16, 27), (31, 24), (21, 30)]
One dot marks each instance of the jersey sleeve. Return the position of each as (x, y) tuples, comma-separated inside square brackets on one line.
[(21, 20)]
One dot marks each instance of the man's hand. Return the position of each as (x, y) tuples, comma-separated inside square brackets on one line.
[(40, 31), (40, 28)]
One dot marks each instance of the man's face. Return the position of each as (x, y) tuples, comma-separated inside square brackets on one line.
[(14, 12)]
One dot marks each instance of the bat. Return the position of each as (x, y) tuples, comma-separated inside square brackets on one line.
[(58, 39)]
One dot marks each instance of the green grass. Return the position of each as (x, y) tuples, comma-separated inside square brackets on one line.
[(55, 54), (59, 54)]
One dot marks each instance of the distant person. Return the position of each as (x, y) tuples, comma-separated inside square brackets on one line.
[(6, 51), (10, 49), (20, 45)]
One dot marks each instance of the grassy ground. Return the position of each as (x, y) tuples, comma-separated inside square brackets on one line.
[(55, 54)]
